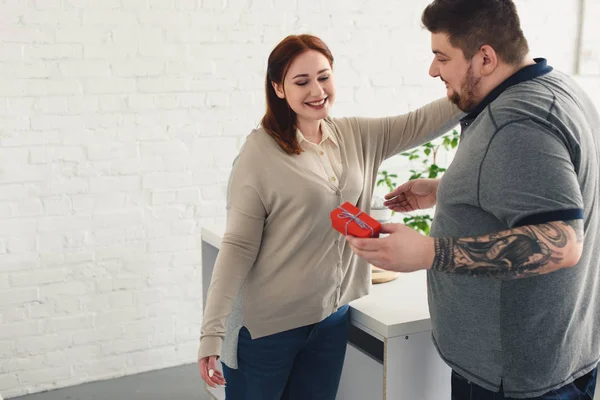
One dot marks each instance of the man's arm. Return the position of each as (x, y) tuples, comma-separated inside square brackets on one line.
[(512, 254), (528, 182)]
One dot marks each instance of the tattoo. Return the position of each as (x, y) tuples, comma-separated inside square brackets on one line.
[(577, 225), (444, 253), (516, 253)]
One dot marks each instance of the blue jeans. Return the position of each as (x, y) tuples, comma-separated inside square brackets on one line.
[(302, 363), (580, 389)]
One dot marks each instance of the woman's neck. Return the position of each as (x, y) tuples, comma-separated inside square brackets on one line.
[(311, 130)]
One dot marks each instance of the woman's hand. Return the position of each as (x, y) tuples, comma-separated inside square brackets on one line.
[(214, 378)]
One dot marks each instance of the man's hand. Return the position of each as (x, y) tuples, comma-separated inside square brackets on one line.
[(517, 253), (413, 195), (403, 250)]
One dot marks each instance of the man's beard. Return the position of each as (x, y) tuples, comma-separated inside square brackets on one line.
[(465, 100)]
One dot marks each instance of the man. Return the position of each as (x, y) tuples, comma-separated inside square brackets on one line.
[(514, 258)]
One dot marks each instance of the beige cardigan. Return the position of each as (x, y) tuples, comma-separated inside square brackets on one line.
[(279, 249)]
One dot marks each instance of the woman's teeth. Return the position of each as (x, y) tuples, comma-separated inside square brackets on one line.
[(317, 103)]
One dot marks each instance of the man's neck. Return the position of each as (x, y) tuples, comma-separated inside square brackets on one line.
[(502, 73)]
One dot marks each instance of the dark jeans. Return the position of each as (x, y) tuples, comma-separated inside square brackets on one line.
[(302, 363), (580, 389)]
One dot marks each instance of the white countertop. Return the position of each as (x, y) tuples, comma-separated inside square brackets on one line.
[(395, 308)]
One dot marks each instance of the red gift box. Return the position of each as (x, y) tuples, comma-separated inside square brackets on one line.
[(350, 220)]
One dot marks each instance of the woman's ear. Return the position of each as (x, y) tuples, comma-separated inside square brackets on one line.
[(278, 90)]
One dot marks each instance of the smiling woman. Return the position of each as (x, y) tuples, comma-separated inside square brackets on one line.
[(300, 90), (277, 307), (309, 90)]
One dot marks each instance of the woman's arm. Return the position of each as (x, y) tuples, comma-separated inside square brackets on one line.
[(392, 135), (239, 248)]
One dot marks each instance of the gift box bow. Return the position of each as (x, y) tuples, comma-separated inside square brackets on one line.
[(344, 216)]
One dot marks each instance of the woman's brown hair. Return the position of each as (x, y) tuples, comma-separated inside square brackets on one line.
[(280, 120)]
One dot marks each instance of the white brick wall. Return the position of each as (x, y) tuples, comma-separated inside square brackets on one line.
[(590, 45), (119, 120)]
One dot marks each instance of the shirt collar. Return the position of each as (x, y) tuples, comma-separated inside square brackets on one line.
[(327, 135), (528, 73)]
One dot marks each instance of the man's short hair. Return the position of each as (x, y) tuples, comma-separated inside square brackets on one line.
[(471, 24)]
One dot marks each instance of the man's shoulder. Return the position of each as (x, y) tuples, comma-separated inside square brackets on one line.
[(554, 93), (531, 100), (538, 92)]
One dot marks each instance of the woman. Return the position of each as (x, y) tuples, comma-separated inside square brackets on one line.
[(277, 306)]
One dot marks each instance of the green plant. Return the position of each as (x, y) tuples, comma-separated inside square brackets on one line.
[(386, 179), (428, 167)]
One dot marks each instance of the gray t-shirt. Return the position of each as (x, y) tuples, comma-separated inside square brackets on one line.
[(528, 155)]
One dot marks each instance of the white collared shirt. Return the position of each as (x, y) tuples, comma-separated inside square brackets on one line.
[(323, 159)]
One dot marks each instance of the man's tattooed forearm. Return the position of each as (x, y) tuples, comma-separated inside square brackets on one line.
[(444, 253), (577, 225), (516, 253)]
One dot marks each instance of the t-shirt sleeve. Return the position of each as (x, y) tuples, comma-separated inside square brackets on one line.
[(527, 176)]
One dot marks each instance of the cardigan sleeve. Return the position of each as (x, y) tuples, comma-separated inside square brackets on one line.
[(392, 135), (246, 215)]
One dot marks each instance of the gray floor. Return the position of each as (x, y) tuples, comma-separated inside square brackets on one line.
[(178, 383)]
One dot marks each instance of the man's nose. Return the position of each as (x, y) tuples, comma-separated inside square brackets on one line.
[(434, 70)]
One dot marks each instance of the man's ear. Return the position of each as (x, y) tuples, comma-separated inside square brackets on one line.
[(278, 90), (488, 60)]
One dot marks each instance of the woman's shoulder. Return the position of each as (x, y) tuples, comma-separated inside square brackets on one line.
[(347, 129), (254, 141), (257, 148), (255, 135), (345, 126), (351, 125), (339, 122), (260, 139)]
